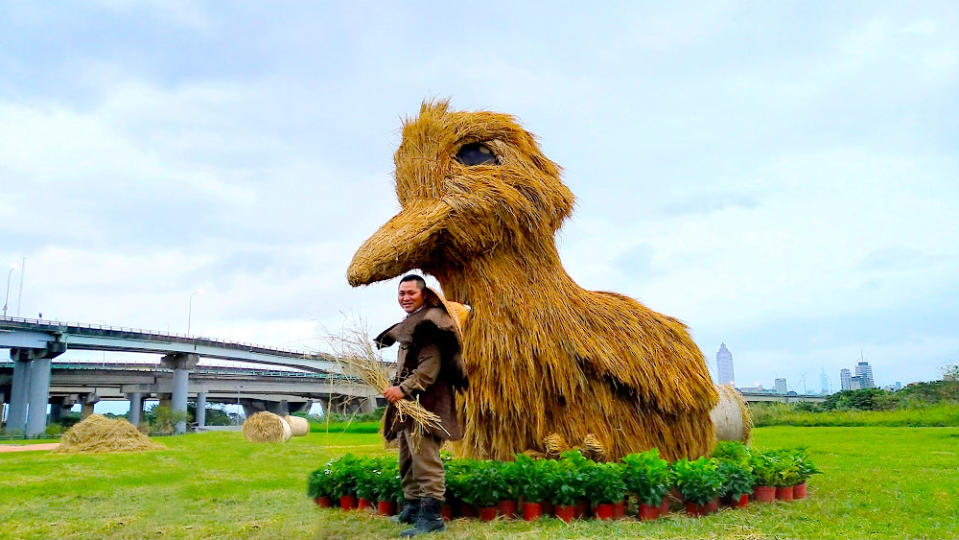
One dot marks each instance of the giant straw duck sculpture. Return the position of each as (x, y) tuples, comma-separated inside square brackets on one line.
[(545, 358)]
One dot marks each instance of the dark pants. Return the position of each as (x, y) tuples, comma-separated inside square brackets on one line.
[(421, 468)]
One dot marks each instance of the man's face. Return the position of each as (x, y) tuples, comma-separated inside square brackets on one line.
[(410, 296)]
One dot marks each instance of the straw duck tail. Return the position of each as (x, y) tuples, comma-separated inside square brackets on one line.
[(480, 207)]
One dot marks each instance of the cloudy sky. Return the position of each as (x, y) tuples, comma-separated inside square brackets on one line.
[(781, 176)]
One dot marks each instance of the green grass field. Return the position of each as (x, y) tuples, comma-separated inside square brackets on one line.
[(880, 483)]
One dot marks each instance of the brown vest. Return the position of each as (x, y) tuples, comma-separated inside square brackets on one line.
[(431, 324)]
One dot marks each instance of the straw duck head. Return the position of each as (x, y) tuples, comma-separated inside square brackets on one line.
[(470, 184)]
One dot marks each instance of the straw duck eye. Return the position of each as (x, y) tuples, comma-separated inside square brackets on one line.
[(476, 154)]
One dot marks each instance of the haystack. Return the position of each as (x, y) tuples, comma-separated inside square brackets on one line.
[(480, 207), (731, 416), (97, 434), (266, 427), (298, 426)]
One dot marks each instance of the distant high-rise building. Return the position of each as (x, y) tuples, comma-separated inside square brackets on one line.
[(724, 366), (824, 381), (857, 383), (864, 370), (844, 379), (781, 386)]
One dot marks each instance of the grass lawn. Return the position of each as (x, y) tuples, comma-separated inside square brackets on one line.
[(880, 482)]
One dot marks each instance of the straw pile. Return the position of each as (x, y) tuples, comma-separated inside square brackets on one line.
[(731, 416), (298, 425), (97, 434), (266, 427), (542, 354)]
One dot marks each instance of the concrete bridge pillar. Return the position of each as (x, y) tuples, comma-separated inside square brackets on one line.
[(59, 407), (86, 406), (201, 409), (17, 415), (136, 407), (182, 364), (31, 387)]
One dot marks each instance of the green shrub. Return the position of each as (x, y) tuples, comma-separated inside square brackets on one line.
[(698, 481), (604, 483), (387, 483), (344, 475), (529, 474), (737, 478), (567, 480), (457, 477), (732, 451), (804, 466), (648, 476), (320, 482), (484, 484)]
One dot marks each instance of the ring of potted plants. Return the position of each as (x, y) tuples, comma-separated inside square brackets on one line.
[(647, 476), (737, 482), (699, 482), (604, 487), (764, 465), (485, 488), (319, 486)]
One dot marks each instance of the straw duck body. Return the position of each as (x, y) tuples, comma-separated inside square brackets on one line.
[(481, 205)]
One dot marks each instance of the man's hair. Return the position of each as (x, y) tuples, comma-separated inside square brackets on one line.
[(420, 282)]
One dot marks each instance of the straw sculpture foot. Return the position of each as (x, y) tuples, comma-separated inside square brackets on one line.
[(480, 207)]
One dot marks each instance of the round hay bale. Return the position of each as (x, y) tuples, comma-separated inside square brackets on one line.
[(298, 425), (97, 434), (266, 427), (731, 416)]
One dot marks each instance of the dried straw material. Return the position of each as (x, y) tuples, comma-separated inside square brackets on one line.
[(543, 355), (265, 426), (555, 445), (731, 416), (593, 449), (354, 352), (97, 434), (298, 426)]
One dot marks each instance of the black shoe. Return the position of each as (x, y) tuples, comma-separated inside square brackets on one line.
[(429, 519), (411, 509)]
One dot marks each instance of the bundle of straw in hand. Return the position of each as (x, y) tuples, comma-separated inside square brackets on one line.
[(354, 352)]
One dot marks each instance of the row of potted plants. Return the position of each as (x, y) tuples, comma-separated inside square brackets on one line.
[(575, 487)]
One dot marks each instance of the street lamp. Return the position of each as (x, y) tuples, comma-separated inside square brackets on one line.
[(7, 299), (189, 315)]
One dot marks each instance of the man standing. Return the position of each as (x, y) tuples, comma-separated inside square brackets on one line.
[(429, 368)]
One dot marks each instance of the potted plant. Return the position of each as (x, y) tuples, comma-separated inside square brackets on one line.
[(699, 483), (364, 482), (510, 476), (737, 482), (388, 489), (731, 451), (319, 486), (344, 480), (647, 476), (604, 487), (566, 485), (485, 488), (458, 472), (805, 469), (531, 490), (787, 475), (764, 466)]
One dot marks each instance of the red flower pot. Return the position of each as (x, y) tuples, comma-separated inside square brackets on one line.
[(664, 506), (604, 511), (712, 506), (447, 512), (467, 510), (362, 504), (784, 493), (581, 509), (696, 510), (648, 513), (323, 501), (619, 509), (532, 511), (565, 512), (487, 513), (347, 502), (507, 508), (741, 502), (765, 493), (385, 508), (799, 491)]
